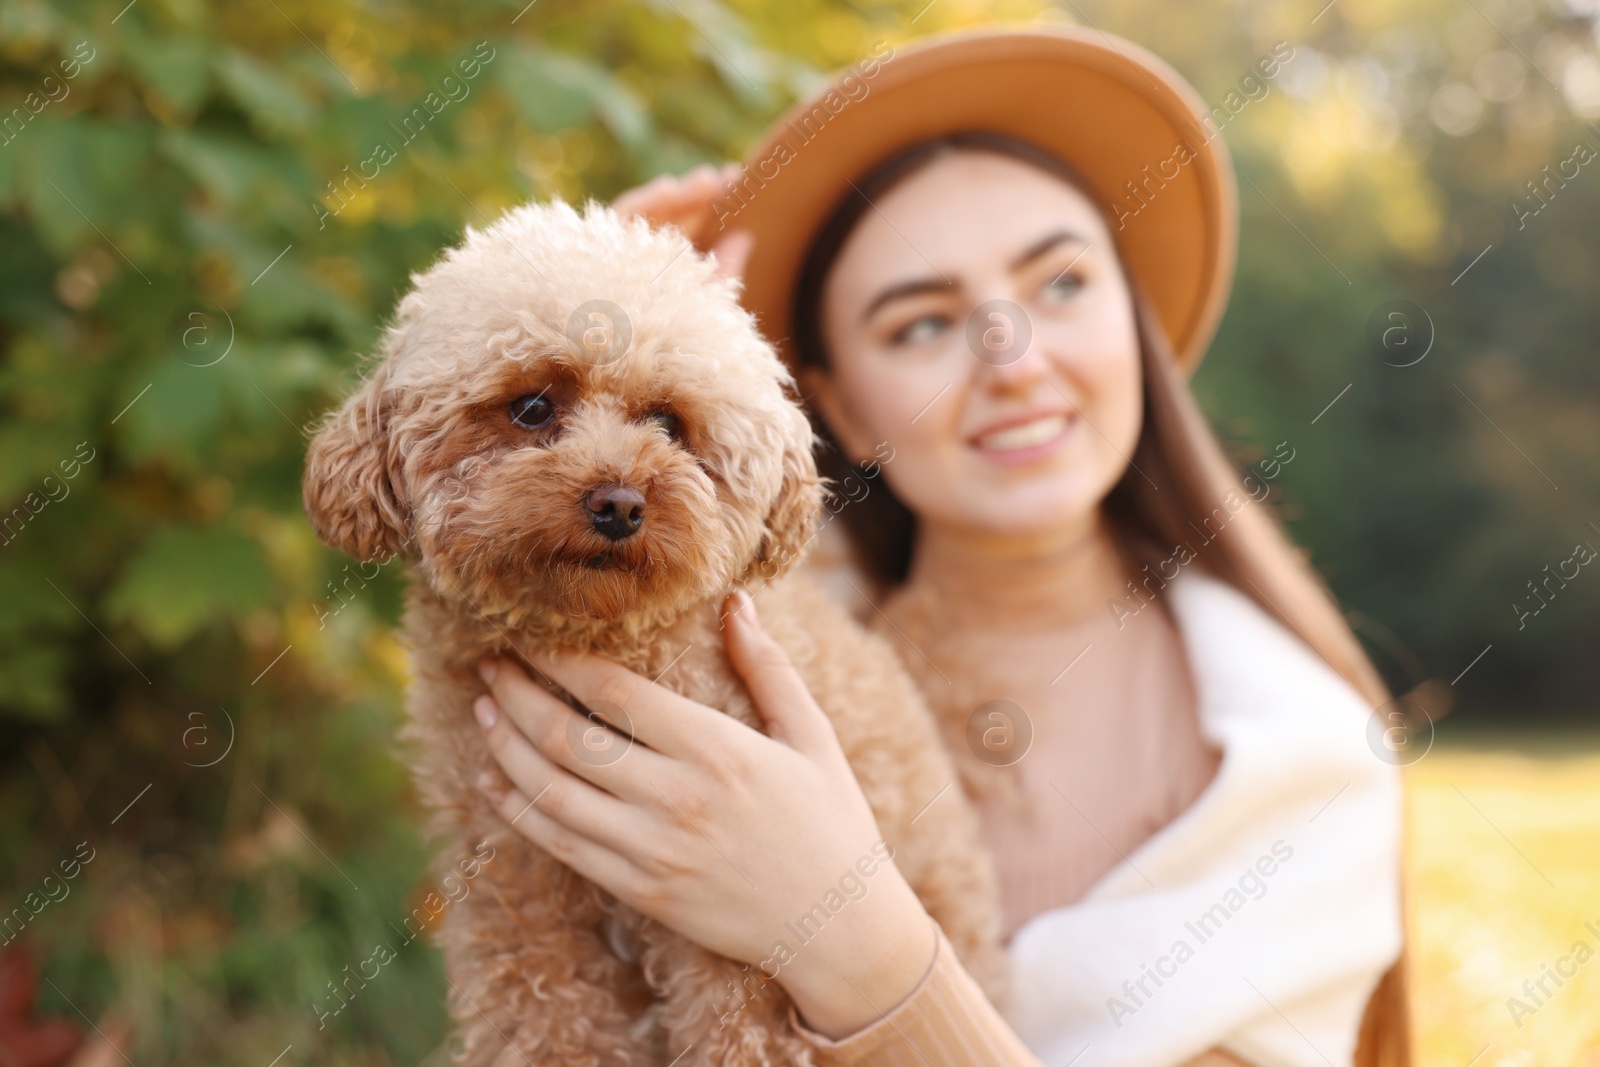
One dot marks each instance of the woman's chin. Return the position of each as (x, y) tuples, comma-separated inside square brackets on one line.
[(1064, 511)]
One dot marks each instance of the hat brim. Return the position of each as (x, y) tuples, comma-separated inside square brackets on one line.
[(1127, 122)]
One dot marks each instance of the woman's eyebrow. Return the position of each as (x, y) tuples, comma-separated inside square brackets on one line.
[(918, 286), (901, 290), (1045, 244)]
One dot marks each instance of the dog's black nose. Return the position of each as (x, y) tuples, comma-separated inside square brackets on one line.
[(617, 511)]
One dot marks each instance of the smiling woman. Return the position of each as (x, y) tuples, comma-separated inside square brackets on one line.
[(965, 299)]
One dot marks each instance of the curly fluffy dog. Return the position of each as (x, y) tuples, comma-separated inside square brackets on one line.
[(579, 439)]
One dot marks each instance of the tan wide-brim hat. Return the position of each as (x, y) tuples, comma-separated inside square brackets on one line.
[(1126, 121)]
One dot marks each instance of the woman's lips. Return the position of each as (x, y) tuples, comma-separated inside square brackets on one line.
[(1027, 441)]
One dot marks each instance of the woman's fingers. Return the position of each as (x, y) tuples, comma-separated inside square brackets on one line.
[(687, 202), (664, 194), (732, 252), (672, 725), (637, 200), (589, 858), (565, 797), (582, 746), (780, 694)]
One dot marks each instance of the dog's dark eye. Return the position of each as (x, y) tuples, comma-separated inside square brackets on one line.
[(668, 422), (532, 411)]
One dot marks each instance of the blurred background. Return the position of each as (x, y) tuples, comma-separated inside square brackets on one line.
[(201, 820)]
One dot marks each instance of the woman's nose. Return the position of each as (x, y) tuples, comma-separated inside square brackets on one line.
[(1002, 339)]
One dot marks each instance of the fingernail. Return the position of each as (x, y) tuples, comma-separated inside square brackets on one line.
[(744, 607), (487, 670), (485, 711)]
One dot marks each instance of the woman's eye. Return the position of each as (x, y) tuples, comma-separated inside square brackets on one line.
[(532, 411), (919, 330), (668, 422), (1062, 287)]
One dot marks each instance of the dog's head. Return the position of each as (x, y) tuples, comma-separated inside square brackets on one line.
[(572, 417)]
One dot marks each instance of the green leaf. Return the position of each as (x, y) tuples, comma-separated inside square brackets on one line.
[(554, 91), (176, 67), (228, 168), (621, 110), (551, 91), (265, 95), (179, 413), (29, 602), (81, 180), (184, 578), (59, 195), (33, 658), (30, 677)]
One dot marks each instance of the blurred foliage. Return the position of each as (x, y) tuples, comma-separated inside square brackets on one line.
[(200, 238)]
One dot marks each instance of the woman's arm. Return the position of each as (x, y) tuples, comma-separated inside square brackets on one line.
[(946, 1021)]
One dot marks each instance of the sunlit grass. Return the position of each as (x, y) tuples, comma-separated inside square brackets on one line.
[(1504, 872)]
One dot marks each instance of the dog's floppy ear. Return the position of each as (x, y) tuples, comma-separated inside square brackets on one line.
[(350, 484), (794, 511)]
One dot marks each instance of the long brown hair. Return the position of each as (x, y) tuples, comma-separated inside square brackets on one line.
[(1178, 489)]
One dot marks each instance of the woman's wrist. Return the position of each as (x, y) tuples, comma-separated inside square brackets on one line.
[(856, 973)]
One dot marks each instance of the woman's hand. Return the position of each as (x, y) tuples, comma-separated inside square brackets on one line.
[(690, 203), (728, 836)]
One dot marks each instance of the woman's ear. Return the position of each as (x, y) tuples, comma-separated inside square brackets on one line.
[(822, 392), (350, 486)]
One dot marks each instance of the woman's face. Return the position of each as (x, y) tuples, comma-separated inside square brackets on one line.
[(977, 321)]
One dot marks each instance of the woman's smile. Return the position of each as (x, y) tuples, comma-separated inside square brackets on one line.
[(1024, 439)]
